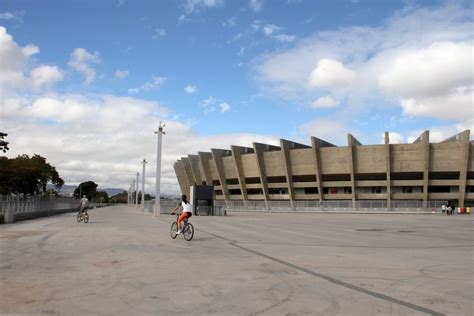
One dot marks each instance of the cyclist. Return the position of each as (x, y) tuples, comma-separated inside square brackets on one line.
[(187, 211), (83, 204)]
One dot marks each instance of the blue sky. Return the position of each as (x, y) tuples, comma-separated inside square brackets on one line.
[(84, 82)]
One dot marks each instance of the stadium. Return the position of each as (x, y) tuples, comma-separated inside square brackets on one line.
[(419, 175)]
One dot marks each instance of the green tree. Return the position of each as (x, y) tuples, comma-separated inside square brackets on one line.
[(119, 198), (25, 175), (88, 188), (101, 197)]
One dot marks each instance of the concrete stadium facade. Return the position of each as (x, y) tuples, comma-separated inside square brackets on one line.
[(420, 171)]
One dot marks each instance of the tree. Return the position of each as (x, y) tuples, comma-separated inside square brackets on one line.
[(25, 175), (3, 143), (101, 197), (88, 188), (119, 198)]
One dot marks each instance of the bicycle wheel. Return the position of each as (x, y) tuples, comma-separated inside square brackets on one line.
[(188, 232), (86, 218), (174, 230), (79, 218)]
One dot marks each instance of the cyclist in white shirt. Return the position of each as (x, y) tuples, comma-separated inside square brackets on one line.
[(84, 204), (187, 211)]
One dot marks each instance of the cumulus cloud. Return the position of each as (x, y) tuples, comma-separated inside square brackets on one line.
[(81, 61), (154, 83), (420, 58), (15, 65), (194, 5), (224, 107), (330, 73), (393, 137), (120, 74), (46, 76), (208, 104), (190, 89), (256, 5), (324, 102), (158, 33)]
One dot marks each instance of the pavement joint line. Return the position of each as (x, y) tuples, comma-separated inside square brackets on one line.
[(332, 280)]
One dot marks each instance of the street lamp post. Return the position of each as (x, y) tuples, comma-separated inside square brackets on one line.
[(136, 192), (160, 132), (144, 162), (131, 193)]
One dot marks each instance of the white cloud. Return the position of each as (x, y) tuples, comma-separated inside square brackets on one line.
[(208, 104), (324, 102), (12, 16), (120, 74), (394, 138), (154, 83), (330, 130), (46, 76), (194, 5), (158, 33), (224, 107), (189, 89), (230, 22), (421, 57), (81, 60), (330, 73), (256, 5), (15, 65), (270, 31)]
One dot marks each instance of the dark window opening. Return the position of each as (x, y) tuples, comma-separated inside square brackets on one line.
[(305, 178), (254, 191), (439, 189), (336, 177), (444, 175), (407, 189), (376, 190), (252, 180), (235, 192), (347, 190), (218, 192), (325, 190), (470, 175), (232, 181), (406, 176), (310, 190), (278, 191), (216, 182), (370, 176), (276, 179), (470, 189)]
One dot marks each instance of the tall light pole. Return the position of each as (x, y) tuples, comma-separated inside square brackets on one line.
[(136, 192), (160, 132), (131, 192), (144, 162)]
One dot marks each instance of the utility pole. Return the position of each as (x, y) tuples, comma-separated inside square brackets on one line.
[(131, 193), (144, 162), (160, 133), (136, 193)]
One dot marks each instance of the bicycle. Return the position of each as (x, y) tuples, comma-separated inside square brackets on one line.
[(187, 229), (83, 216)]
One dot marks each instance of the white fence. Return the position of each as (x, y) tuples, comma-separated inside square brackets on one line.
[(332, 206), (18, 207), (167, 206)]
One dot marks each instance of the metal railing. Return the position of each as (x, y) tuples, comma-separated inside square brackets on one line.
[(167, 206), (29, 206), (333, 206)]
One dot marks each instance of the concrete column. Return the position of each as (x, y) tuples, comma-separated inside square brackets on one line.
[(136, 192), (464, 162), (179, 176), (317, 167), (285, 153), (186, 179), (194, 161), (217, 155), (204, 158), (351, 142), (388, 170), (144, 162), (259, 149), (237, 152)]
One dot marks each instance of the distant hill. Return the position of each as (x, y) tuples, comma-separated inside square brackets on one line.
[(112, 191)]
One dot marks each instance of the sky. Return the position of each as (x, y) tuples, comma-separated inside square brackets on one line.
[(85, 83)]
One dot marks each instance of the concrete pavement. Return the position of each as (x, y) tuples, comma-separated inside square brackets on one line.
[(123, 262)]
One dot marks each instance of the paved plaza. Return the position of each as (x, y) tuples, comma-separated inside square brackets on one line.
[(124, 262)]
